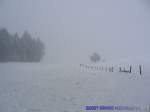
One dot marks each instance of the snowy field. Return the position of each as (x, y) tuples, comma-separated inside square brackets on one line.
[(33, 87)]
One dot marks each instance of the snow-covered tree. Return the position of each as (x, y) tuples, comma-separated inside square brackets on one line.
[(95, 57)]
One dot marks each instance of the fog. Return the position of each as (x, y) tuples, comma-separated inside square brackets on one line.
[(96, 53), (74, 29)]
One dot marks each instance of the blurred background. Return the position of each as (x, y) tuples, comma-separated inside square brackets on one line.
[(71, 30)]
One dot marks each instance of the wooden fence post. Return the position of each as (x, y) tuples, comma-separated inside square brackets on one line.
[(140, 68)]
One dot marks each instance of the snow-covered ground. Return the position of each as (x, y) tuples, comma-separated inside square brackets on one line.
[(33, 87)]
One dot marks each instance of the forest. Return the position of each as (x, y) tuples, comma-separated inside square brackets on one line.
[(17, 48)]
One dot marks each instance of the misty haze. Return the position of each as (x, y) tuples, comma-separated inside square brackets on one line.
[(68, 55)]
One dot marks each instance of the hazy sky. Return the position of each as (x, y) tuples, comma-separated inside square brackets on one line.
[(73, 29)]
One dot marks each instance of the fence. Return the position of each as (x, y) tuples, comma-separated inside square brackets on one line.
[(107, 68)]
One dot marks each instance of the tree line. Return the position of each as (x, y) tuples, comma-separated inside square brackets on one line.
[(21, 49)]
